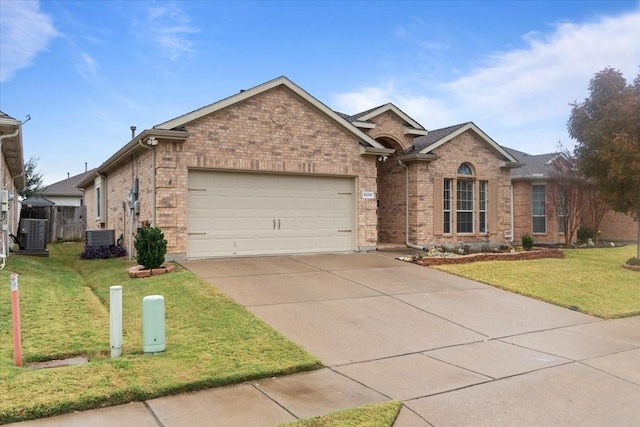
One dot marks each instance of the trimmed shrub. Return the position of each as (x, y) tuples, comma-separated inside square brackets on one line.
[(584, 233), (103, 252), (633, 261), (151, 246), (527, 241)]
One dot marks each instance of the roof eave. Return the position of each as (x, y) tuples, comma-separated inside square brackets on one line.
[(246, 94), (12, 150), (471, 126), (138, 142), (530, 178), (376, 151), (510, 165), (390, 107), (413, 131), (419, 157)]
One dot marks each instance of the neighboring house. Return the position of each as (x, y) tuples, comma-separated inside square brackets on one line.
[(533, 210), (12, 174), (273, 170), (66, 192), (36, 201), (62, 205)]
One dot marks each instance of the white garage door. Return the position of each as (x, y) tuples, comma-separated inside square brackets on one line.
[(233, 213)]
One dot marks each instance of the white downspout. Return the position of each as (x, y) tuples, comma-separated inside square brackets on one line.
[(406, 211), (5, 234), (513, 232)]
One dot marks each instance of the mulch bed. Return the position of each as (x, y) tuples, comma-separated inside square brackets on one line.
[(509, 256)]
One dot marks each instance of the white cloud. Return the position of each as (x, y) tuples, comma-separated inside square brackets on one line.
[(24, 32), (168, 27), (88, 68), (520, 97)]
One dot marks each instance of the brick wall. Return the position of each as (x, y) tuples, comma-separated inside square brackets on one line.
[(616, 226), (465, 148)]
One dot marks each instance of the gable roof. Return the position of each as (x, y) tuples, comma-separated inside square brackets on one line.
[(436, 138), (361, 120), (67, 187), (249, 93)]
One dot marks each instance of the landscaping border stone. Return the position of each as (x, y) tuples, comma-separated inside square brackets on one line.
[(631, 267), (511, 256), (139, 271)]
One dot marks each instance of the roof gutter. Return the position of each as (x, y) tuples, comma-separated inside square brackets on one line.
[(375, 151), (418, 157), (133, 145)]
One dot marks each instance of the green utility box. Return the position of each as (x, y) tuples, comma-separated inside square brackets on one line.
[(153, 324)]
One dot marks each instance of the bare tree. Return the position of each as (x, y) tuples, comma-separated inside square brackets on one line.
[(568, 196), (596, 207)]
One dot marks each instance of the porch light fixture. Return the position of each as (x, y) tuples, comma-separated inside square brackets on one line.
[(152, 141), (383, 158)]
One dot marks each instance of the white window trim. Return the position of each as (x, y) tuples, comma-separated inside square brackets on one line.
[(546, 226)]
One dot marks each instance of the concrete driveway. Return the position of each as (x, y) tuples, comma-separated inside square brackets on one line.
[(456, 352)]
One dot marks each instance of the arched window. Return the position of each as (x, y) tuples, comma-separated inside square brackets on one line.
[(465, 209), (465, 169)]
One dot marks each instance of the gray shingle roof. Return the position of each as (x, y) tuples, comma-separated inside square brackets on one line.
[(67, 187), (535, 165), (354, 117), (422, 142)]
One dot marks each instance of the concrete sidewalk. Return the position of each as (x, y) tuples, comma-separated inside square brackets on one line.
[(456, 352)]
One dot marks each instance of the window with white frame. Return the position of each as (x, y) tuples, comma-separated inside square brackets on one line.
[(539, 208), (482, 206), (101, 198), (447, 206), (464, 206)]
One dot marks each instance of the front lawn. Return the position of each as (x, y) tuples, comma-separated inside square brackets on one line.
[(373, 415), (589, 280), (210, 340)]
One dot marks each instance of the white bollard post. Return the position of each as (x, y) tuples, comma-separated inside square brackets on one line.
[(115, 314)]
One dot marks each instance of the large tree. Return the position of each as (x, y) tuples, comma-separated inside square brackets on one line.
[(606, 126), (32, 179)]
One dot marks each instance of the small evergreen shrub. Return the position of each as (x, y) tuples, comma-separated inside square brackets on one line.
[(633, 261), (527, 241), (584, 233), (103, 252), (151, 246)]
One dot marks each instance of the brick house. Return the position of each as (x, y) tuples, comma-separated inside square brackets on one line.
[(273, 170), (534, 212)]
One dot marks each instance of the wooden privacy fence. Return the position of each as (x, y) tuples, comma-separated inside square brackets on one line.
[(65, 223)]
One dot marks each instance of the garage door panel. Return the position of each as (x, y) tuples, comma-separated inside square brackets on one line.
[(246, 214)]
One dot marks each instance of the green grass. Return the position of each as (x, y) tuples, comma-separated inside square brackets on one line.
[(210, 340), (591, 280), (374, 415)]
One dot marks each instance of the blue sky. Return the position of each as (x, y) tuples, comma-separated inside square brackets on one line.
[(85, 71)]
